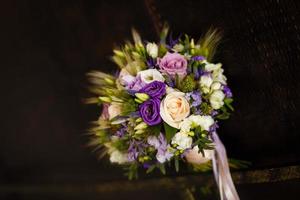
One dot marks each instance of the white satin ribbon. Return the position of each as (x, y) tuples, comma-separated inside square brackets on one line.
[(221, 171)]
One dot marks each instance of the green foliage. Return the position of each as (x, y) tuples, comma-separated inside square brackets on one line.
[(128, 107), (223, 113), (176, 163), (170, 131), (209, 43), (205, 108), (188, 84), (131, 170), (228, 102), (154, 130)]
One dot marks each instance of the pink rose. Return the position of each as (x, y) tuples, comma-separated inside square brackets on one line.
[(173, 63)]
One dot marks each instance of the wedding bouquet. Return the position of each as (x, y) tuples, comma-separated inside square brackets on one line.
[(163, 106)]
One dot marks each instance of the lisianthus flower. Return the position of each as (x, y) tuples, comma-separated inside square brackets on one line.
[(149, 111), (155, 89), (172, 64), (150, 75)]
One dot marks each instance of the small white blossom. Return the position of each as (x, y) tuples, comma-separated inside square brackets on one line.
[(212, 67), (118, 157), (216, 99), (152, 49), (205, 83), (183, 141), (218, 76), (216, 86)]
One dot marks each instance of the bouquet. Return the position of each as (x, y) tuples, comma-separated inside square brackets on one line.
[(163, 106)]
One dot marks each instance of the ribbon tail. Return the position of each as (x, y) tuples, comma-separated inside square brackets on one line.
[(221, 171)]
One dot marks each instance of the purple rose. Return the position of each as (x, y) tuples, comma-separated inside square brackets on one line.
[(149, 111), (155, 89), (172, 64)]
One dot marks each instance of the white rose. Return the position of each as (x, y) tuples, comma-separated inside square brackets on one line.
[(152, 49), (193, 156), (151, 75), (204, 121), (205, 83), (118, 157), (182, 140), (216, 99), (174, 108), (212, 67), (114, 110)]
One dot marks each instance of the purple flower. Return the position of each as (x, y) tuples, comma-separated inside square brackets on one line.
[(198, 58), (149, 111), (160, 144), (121, 132), (155, 89), (172, 64), (151, 63), (227, 91), (135, 149), (134, 84), (195, 96)]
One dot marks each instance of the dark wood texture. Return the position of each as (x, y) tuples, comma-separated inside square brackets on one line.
[(48, 46)]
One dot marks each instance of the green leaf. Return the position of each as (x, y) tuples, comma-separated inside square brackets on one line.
[(176, 164), (170, 131), (154, 130), (162, 168), (150, 169), (228, 102)]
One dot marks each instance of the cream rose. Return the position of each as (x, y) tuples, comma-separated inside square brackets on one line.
[(193, 156), (174, 108), (114, 110)]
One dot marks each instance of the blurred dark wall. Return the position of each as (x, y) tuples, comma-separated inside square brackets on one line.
[(48, 46)]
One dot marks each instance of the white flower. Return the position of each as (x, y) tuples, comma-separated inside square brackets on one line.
[(205, 83), (218, 76), (193, 156), (178, 47), (193, 121), (152, 49), (216, 99), (186, 125), (204, 121), (114, 110), (216, 86), (174, 108), (118, 157), (212, 67), (151, 75), (125, 77), (182, 140)]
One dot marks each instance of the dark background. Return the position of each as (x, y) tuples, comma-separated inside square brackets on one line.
[(48, 46)]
